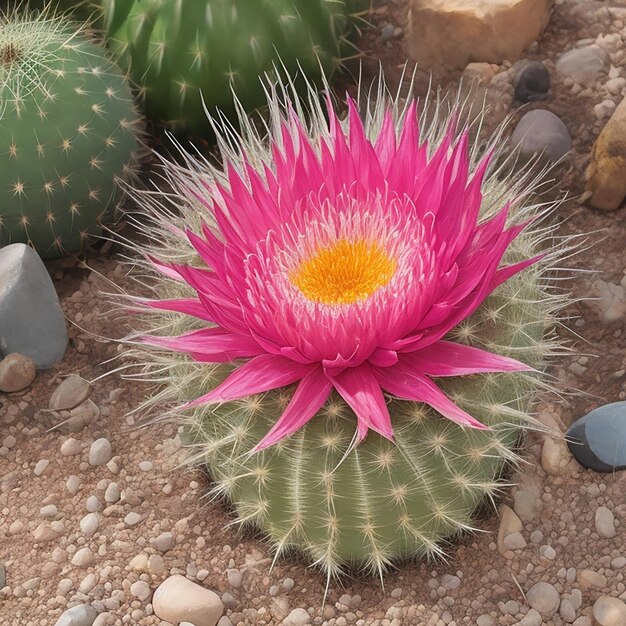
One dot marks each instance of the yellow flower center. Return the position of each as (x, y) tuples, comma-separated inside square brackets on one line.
[(345, 272)]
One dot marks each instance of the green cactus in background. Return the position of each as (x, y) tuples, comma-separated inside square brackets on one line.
[(177, 50), (68, 131)]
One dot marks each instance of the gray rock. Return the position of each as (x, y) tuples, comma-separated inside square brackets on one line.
[(584, 66), (100, 452), (387, 31), (532, 82), (3, 576), (605, 522), (541, 132), (532, 618), (73, 391), (81, 615), (543, 597), (31, 319), (598, 440)]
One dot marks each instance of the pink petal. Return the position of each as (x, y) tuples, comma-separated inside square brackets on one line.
[(260, 374), (446, 358), (359, 388), (407, 384), (503, 274), (209, 345), (307, 400)]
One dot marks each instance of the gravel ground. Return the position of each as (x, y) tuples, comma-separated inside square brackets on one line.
[(83, 523)]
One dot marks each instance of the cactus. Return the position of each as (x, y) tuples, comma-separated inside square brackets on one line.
[(178, 49), (344, 498), (69, 130)]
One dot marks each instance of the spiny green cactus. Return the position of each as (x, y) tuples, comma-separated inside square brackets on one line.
[(371, 504), (68, 131), (177, 50)]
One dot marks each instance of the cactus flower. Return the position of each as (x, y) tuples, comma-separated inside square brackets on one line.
[(341, 260)]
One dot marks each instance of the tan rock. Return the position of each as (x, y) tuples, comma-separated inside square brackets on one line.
[(16, 372), (453, 33), (608, 611), (509, 525), (587, 578), (605, 174), (178, 600), (556, 459)]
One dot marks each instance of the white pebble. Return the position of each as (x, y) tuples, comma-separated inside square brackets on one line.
[(72, 484), (141, 590), (89, 524), (41, 467), (93, 504), (112, 493), (132, 519), (100, 452), (164, 542), (605, 522), (71, 447), (49, 511), (82, 558)]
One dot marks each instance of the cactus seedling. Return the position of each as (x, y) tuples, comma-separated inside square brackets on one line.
[(350, 317), (68, 131)]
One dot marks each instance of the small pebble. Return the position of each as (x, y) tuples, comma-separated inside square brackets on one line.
[(543, 597), (17, 372), (605, 522), (100, 452)]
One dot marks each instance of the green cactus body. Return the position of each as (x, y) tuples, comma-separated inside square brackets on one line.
[(317, 491), (179, 49), (68, 131), (382, 501)]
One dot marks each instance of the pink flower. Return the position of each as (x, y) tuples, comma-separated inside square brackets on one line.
[(343, 265)]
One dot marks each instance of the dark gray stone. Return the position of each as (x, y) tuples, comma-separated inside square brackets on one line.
[(532, 82), (541, 132), (81, 615), (3, 576), (31, 319), (598, 440)]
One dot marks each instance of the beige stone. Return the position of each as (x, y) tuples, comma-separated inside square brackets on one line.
[(605, 177), (178, 600), (556, 459), (587, 579), (453, 33), (608, 611), (510, 524), (16, 372)]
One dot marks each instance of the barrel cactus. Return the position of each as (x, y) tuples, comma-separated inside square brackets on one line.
[(69, 130), (351, 321), (186, 54)]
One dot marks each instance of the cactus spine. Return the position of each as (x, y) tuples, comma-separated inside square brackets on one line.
[(68, 131)]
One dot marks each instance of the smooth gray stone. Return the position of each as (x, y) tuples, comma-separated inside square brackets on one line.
[(3, 576), (585, 66), (541, 132), (31, 320), (598, 440), (81, 615)]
